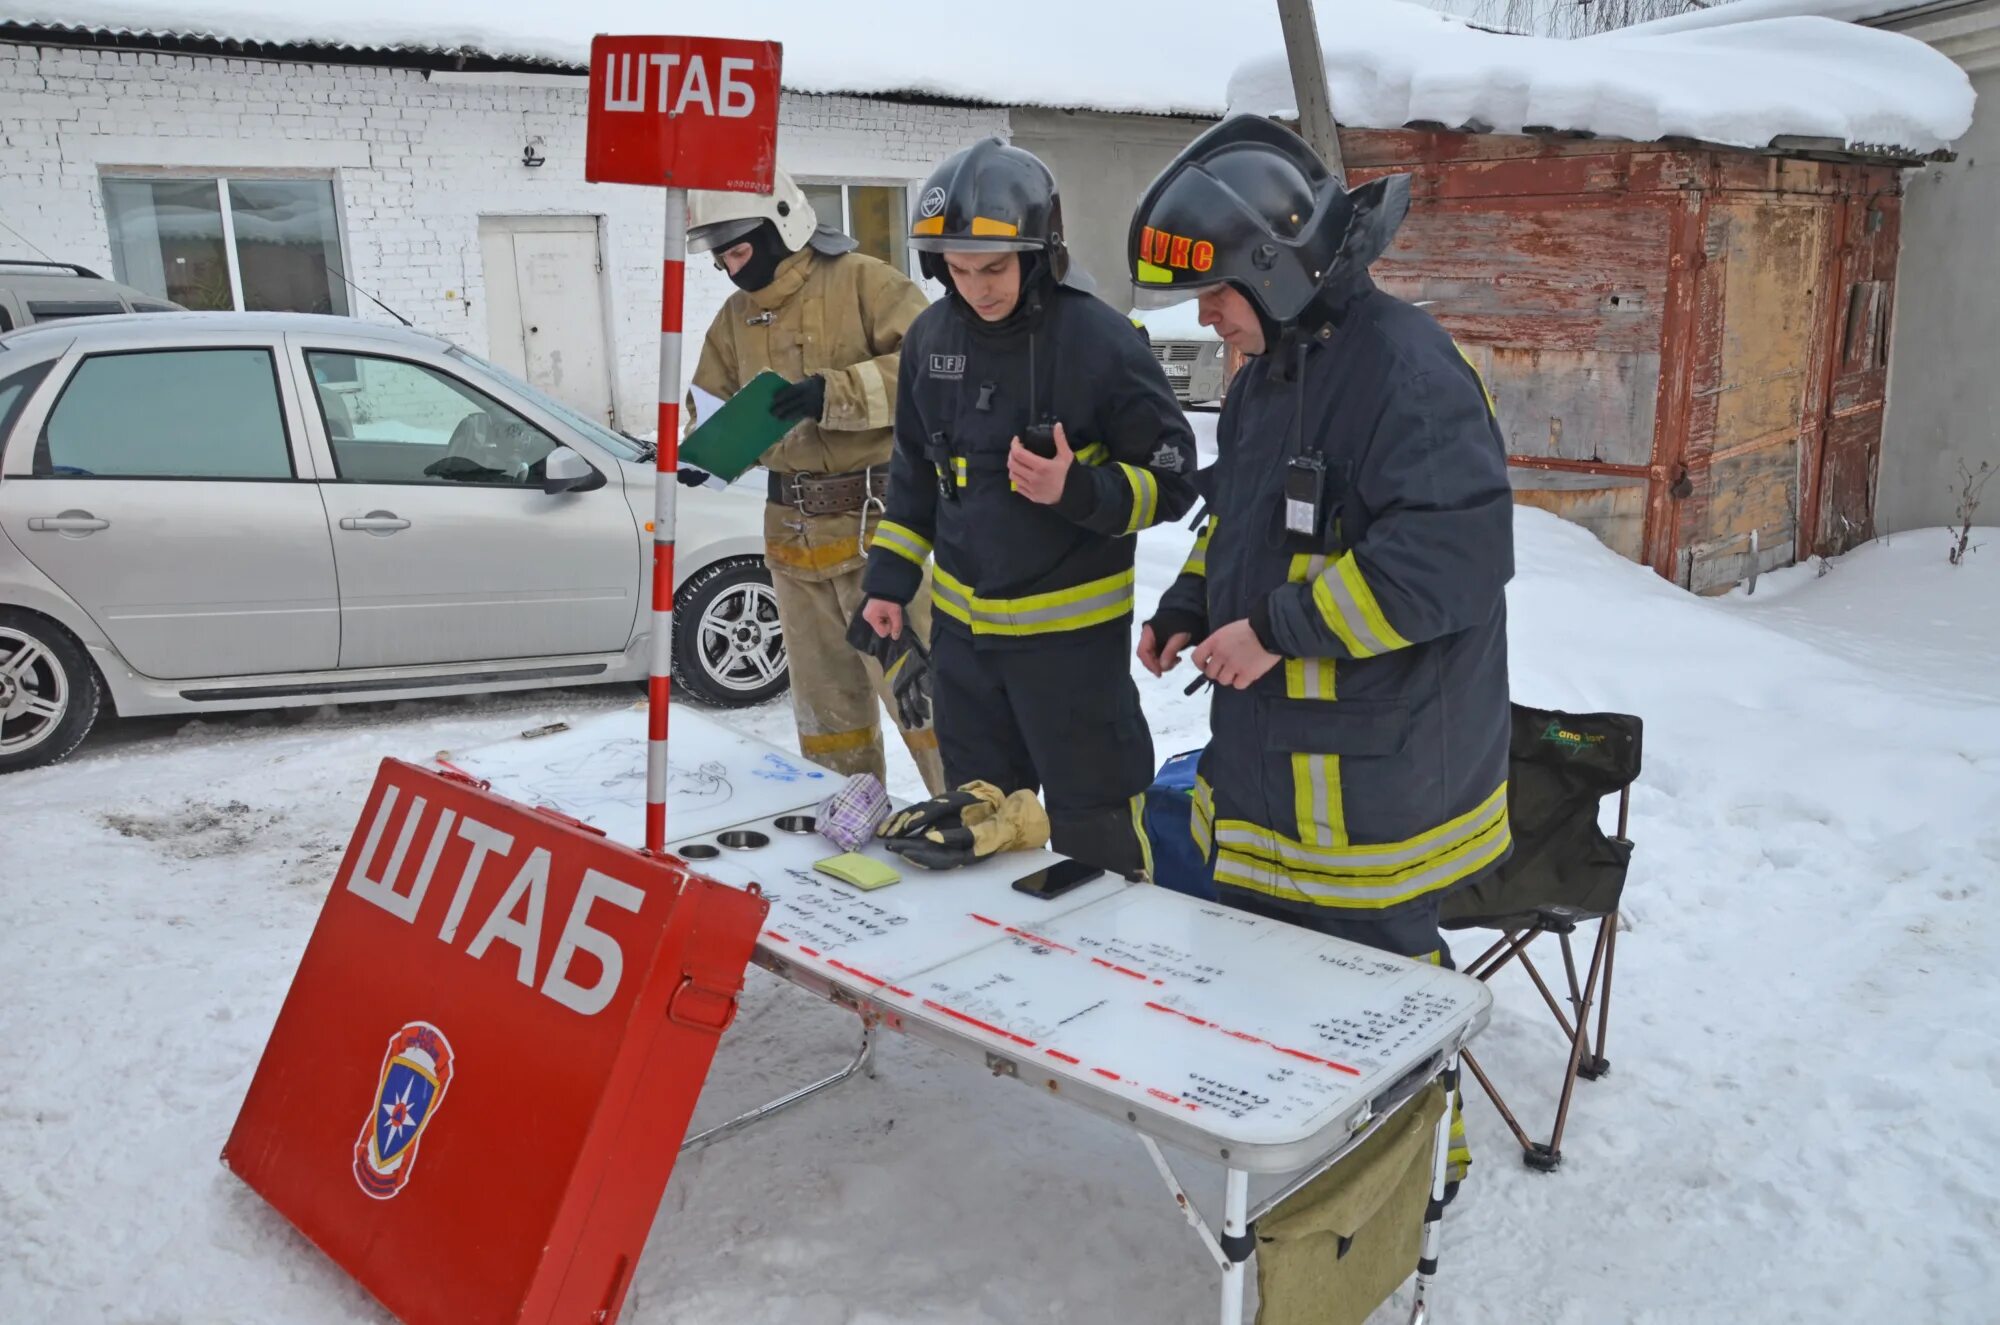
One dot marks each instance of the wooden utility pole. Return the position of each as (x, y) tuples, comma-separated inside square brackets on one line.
[(1309, 83)]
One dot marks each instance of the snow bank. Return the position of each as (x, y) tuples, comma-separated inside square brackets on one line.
[(1164, 56), (1743, 84), (1806, 998)]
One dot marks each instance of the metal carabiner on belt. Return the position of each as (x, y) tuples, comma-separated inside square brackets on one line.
[(868, 499)]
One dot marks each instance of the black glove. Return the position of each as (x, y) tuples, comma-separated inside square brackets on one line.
[(966, 825), (690, 477), (910, 685), (905, 663), (803, 399), (1169, 622), (940, 814)]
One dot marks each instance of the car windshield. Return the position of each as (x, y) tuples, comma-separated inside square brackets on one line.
[(625, 448)]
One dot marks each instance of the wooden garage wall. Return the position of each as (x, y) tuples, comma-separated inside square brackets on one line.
[(1683, 344)]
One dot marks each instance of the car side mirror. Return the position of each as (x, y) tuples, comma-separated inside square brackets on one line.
[(566, 471)]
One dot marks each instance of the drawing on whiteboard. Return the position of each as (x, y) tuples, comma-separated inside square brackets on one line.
[(777, 768), (707, 782), (604, 775)]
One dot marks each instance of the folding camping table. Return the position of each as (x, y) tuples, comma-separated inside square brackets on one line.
[(1263, 1046)]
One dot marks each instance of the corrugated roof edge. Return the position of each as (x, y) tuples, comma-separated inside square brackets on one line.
[(88, 36)]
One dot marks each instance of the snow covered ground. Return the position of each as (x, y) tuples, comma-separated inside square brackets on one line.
[(1803, 1035)]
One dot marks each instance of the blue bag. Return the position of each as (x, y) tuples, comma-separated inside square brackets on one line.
[(1169, 819)]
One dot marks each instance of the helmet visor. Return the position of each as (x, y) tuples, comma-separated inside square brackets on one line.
[(1166, 296), (980, 244), (721, 234)]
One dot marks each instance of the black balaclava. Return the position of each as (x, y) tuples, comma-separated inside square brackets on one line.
[(767, 250)]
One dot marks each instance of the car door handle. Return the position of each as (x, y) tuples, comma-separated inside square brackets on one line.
[(375, 522), (69, 522)]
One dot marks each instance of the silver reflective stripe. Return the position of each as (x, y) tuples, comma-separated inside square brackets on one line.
[(902, 542), (1117, 592), (1350, 611), (1360, 856), (1145, 497), (1322, 800), (1233, 868)]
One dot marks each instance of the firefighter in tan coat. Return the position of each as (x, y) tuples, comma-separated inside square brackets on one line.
[(831, 322)]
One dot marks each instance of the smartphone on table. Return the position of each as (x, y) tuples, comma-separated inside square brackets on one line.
[(1057, 879)]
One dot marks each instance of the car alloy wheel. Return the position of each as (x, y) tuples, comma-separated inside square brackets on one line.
[(34, 692), (741, 640)]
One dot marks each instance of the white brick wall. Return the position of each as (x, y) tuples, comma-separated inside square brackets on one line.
[(417, 163)]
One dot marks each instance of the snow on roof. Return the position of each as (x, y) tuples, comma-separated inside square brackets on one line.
[(1157, 56), (1744, 84), (1745, 11)]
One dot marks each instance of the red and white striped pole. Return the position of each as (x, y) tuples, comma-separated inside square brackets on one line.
[(666, 487)]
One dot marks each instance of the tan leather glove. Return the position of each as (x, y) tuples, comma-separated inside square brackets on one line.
[(1016, 823)]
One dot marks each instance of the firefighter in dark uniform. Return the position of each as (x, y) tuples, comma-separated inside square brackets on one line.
[(1346, 595), (1036, 435)]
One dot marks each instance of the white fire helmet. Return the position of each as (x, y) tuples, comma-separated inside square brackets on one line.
[(718, 220)]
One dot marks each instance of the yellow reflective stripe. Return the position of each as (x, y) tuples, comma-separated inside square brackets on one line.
[(1259, 873), (1316, 800), (1349, 608), (1075, 608), (1329, 610), (1478, 377), (1145, 497), (1202, 821), (1304, 810), (1309, 678), (1197, 557), (1391, 855), (958, 468), (1369, 863), (1094, 454), (1139, 828), (902, 540), (1371, 610)]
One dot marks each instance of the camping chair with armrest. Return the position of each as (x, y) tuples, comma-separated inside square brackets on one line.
[(1564, 873)]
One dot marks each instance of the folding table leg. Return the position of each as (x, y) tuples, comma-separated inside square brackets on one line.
[(863, 1061), (1427, 1261), (1235, 1244)]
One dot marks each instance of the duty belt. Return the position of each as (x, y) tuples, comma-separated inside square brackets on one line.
[(830, 494)]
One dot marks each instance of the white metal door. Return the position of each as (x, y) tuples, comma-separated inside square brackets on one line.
[(545, 306)]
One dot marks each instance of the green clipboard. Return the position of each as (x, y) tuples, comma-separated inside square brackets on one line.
[(733, 438)]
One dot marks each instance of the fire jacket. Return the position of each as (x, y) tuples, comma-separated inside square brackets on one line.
[(1008, 570), (843, 317), (1369, 767)]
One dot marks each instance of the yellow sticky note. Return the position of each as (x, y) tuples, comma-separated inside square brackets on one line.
[(864, 872)]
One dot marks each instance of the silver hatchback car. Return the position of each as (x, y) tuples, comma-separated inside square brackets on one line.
[(209, 511)]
